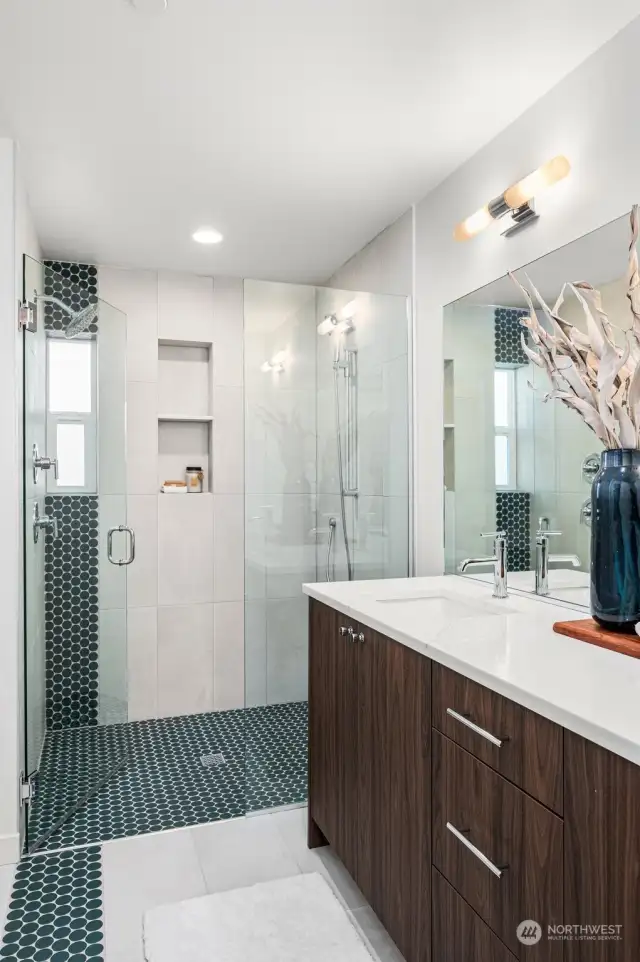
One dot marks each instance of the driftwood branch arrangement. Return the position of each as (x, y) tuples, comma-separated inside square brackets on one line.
[(595, 373)]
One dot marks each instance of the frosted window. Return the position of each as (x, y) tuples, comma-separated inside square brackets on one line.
[(70, 453), (502, 460), (70, 376), (502, 381)]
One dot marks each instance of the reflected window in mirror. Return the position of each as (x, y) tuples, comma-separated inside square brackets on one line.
[(505, 423)]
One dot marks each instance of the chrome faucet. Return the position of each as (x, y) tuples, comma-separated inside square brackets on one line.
[(498, 560), (544, 559)]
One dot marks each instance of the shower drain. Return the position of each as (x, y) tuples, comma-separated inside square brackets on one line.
[(213, 760)]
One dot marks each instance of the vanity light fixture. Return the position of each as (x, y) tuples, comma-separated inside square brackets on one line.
[(207, 235), (276, 364), (516, 202)]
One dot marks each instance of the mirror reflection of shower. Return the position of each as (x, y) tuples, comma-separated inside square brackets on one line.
[(340, 326), (80, 321)]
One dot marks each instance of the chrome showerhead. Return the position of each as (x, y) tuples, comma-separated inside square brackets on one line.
[(80, 320)]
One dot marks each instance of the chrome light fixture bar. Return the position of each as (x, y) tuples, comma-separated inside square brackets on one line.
[(516, 202)]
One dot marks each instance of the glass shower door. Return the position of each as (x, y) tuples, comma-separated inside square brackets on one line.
[(76, 548)]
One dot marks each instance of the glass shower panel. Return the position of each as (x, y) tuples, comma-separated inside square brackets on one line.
[(34, 429), (326, 492), (280, 510), (363, 423), (76, 553)]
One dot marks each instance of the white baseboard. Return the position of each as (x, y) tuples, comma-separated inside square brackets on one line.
[(9, 849)]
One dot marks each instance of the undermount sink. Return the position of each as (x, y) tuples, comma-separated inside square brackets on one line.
[(448, 606)]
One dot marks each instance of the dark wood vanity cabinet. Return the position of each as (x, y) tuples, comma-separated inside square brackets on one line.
[(369, 784), (601, 850), (403, 750)]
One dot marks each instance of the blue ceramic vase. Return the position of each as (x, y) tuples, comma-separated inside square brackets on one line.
[(615, 541)]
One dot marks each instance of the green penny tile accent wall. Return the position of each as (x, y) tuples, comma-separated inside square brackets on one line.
[(75, 285), (55, 913), (71, 612)]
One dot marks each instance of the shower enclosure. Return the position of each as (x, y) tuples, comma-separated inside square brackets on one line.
[(326, 496), (74, 505), (327, 419)]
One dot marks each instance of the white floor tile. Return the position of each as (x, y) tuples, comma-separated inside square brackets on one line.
[(6, 882), (292, 826), (380, 942), (242, 852), (141, 873)]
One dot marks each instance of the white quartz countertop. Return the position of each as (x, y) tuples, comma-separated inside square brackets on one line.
[(507, 645)]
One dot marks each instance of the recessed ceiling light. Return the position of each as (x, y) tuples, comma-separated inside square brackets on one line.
[(207, 235), (149, 6)]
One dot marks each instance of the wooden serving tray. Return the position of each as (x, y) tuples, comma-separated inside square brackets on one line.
[(590, 631)]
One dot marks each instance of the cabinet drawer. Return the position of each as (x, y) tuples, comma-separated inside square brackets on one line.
[(522, 746), (459, 934), (500, 849)]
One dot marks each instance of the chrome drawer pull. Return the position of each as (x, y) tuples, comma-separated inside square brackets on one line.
[(476, 851), (476, 728)]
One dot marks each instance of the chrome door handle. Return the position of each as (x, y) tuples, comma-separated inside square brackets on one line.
[(132, 545), (465, 720), (360, 637), (476, 851), (344, 630)]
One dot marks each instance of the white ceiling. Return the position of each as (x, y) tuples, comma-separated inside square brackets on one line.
[(299, 128)]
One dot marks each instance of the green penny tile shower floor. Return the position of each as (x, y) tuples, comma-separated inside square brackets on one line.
[(160, 780), (55, 913)]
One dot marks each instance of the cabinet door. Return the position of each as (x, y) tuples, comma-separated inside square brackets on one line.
[(459, 934), (394, 791), (601, 851), (332, 731), (500, 849)]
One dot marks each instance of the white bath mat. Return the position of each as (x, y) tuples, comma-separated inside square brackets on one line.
[(295, 919)]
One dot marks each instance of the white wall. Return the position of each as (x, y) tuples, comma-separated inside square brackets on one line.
[(384, 266), (185, 591), (587, 117), (16, 237)]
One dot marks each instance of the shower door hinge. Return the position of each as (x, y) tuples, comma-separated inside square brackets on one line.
[(27, 316), (26, 788)]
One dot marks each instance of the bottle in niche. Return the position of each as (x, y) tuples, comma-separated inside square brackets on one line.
[(195, 480)]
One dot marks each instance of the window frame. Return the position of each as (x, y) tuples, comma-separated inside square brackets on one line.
[(509, 431), (88, 419)]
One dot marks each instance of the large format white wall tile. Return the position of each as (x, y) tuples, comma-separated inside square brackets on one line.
[(113, 400), (142, 575), (228, 440), (185, 659), (228, 333), (136, 294), (185, 307), (287, 649), (255, 665), (228, 547), (185, 549), (112, 579), (142, 660), (112, 666), (142, 437), (228, 655)]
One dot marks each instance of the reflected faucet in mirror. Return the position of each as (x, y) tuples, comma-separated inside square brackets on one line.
[(544, 559), (498, 560)]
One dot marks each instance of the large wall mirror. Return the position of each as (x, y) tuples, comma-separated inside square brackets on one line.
[(513, 461)]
